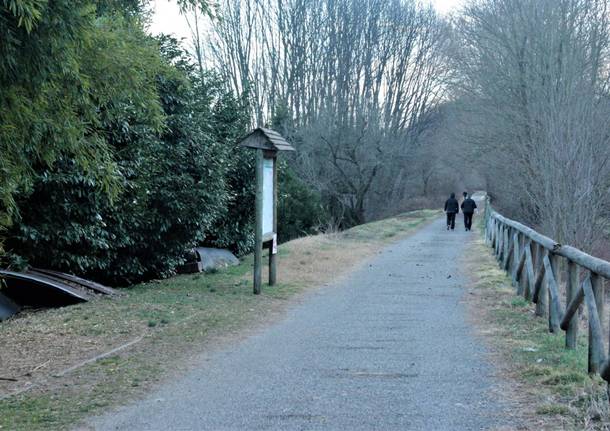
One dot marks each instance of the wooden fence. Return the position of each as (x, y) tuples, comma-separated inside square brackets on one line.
[(535, 263)]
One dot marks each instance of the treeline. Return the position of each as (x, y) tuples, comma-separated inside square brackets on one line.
[(119, 148), (530, 109), (353, 84), (118, 153), (388, 103)]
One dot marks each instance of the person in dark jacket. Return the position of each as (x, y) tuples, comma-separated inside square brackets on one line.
[(452, 207), (468, 207)]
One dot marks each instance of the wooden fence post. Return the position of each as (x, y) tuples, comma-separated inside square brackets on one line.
[(496, 237), (595, 355), (507, 244), (489, 230), (529, 272), (571, 293), (516, 256), (554, 302), (499, 241), (572, 308), (539, 295), (596, 343), (500, 237), (258, 229), (518, 263), (522, 272), (489, 225)]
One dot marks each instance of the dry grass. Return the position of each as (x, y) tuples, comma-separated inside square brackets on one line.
[(548, 384), (176, 320)]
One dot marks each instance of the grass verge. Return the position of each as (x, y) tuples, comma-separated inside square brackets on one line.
[(168, 323), (549, 384)]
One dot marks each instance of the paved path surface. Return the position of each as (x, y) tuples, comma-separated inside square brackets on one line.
[(388, 348)]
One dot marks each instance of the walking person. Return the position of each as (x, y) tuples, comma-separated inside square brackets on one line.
[(452, 207), (468, 207)]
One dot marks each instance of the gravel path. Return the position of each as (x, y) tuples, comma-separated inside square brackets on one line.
[(388, 348)]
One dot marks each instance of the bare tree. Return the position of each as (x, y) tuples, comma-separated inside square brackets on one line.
[(358, 78), (533, 85)]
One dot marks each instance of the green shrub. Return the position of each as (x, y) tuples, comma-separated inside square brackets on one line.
[(175, 188), (235, 228), (168, 175), (300, 209)]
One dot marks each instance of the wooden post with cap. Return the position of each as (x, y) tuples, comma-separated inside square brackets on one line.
[(258, 223), (267, 144)]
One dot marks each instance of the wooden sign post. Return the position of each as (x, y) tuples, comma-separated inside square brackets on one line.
[(266, 143)]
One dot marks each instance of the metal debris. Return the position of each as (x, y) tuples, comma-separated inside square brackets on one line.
[(87, 284), (206, 259), (40, 288), (214, 258)]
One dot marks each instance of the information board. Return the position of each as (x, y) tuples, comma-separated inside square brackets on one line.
[(268, 194)]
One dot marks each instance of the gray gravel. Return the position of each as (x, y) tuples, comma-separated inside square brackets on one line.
[(388, 348)]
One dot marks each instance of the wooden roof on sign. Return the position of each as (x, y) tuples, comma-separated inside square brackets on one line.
[(266, 139)]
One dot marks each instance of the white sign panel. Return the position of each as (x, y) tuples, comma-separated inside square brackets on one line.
[(268, 196)]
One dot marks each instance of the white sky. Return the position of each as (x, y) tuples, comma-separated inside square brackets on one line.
[(167, 18), (446, 6)]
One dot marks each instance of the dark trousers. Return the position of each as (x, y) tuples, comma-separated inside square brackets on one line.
[(468, 220), (451, 220)]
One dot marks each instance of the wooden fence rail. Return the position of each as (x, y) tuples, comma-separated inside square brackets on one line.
[(539, 267)]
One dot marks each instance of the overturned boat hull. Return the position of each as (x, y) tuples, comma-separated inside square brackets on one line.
[(41, 288), (35, 290)]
